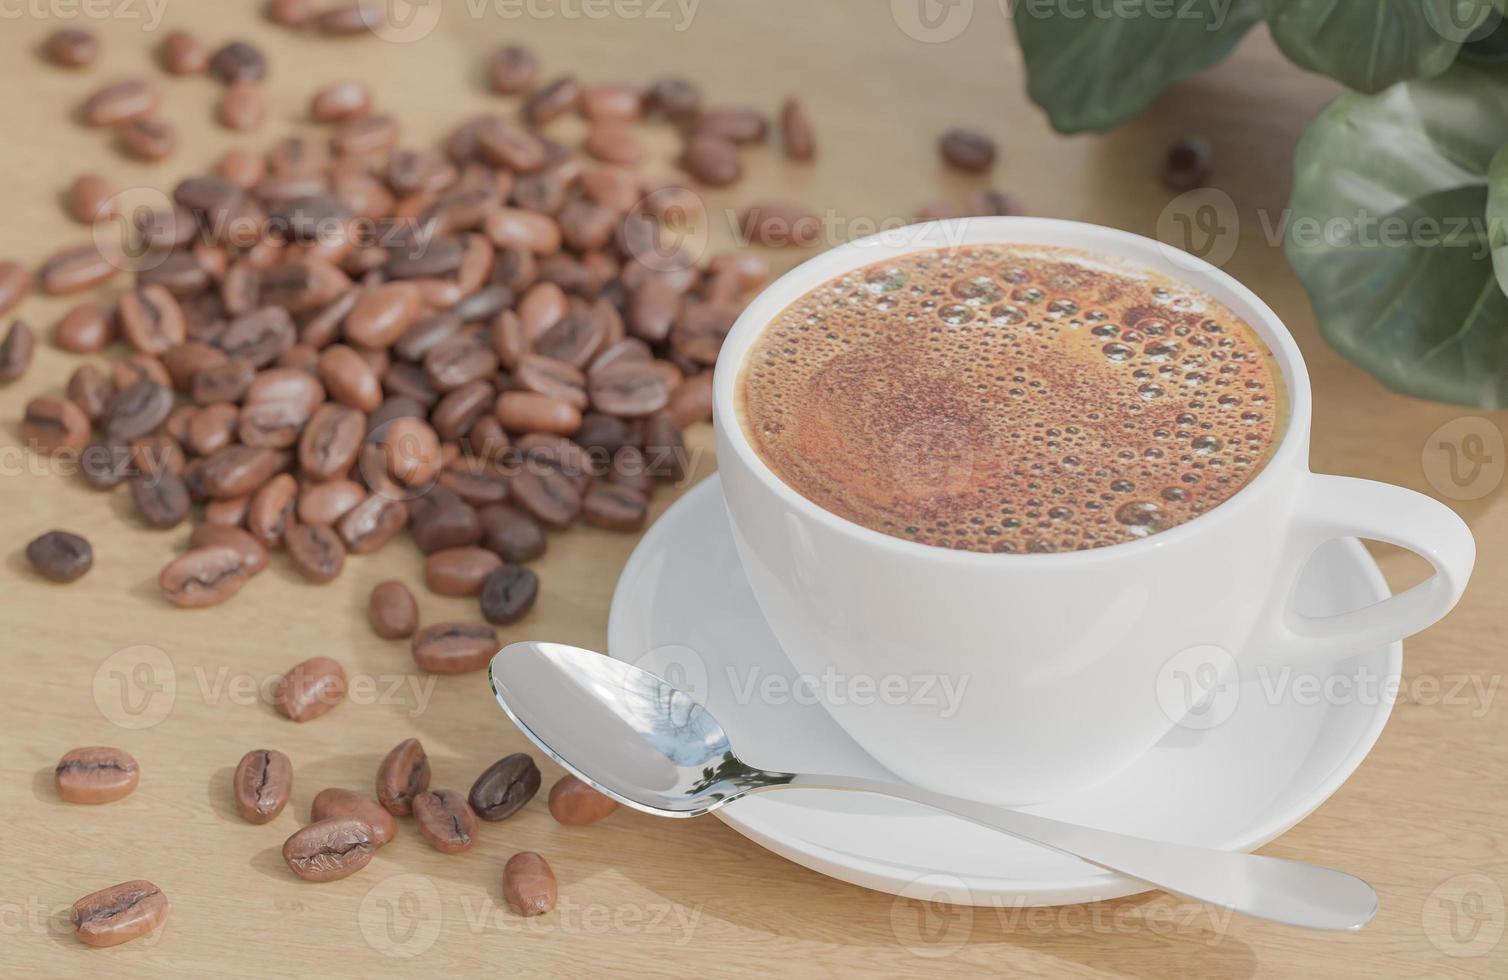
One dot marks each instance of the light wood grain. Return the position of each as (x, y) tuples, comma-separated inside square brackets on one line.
[(641, 897)]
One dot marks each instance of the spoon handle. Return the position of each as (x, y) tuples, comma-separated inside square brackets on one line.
[(1270, 888)]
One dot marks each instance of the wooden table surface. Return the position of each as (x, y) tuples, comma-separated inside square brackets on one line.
[(1425, 818)]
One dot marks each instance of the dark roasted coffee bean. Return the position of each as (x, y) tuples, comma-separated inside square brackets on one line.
[(511, 534), (545, 495), (372, 523), (512, 69), (335, 802), (262, 784), (554, 100), (505, 787), (237, 62), (71, 47), (965, 149), (103, 466), (75, 270), (118, 914), (509, 593), (60, 556), (403, 775), (236, 471), (615, 507), (317, 552), (148, 139), (204, 576), (96, 774), (392, 611), (605, 434), (331, 441), (161, 498), (445, 521), (330, 849), (459, 571), (1187, 164), (253, 553), (445, 820), (529, 884), (16, 351), (454, 648), (712, 160), (699, 332), (121, 103), (53, 425), (310, 689), (674, 98), (575, 804)]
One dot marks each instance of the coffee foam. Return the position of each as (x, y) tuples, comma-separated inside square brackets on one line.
[(1007, 399)]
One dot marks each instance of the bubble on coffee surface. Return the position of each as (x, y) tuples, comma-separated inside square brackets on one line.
[(1011, 399)]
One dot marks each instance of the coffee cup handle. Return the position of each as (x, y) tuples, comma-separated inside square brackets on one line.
[(1341, 507)]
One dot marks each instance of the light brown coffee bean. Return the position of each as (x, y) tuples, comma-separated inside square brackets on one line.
[(966, 149), (317, 552), (71, 47), (212, 428), (411, 451), (552, 101), (454, 648), (243, 107), (736, 124), (392, 611), (545, 495), (330, 441), (310, 689), (445, 820), (96, 774), (227, 382), (326, 503), (120, 103), (529, 884), (253, 554), (148, 139), (366, 136), (91, 199), (614, 507), (340, 102), (333, 803), (184, 54), (236, 471), (634, 389), (90, 390), (512, 69), (575, 804), (54, 425), (118, 914), (614, 142), (691, 401), (205, 576), (75, 270), (15, 283), (712, 160), (262, 783), (381, 315), (330, 849), (402, 775), (528, 231), (796, 131), (372, 523), (16, 351), (290, 13), (527, 411), (151, 320), (290, 385), (349, 379), (459, 571), (782, 224)]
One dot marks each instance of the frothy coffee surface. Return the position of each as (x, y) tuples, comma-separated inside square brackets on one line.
[(1011, 399)]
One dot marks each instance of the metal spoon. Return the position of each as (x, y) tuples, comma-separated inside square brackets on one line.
[(652, 747)]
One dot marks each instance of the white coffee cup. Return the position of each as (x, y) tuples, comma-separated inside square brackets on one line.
[(1063, 659)]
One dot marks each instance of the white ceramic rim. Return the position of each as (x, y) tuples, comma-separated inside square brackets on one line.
[(1099, 886), (1292, 449)]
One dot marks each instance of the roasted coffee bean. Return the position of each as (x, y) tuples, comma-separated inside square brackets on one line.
[(290, 13), (505, 787), (512, 69), (236, 471), (16, 351), (137, 410), (326, 503), (664, 450), (381, 315), (442, 520), (477, 481), (575, 804), (698, 334), (271, 509), (205, 576), (454, 648), (262, 784), (508, 593), (260, 337), (105, 467), (545, 495), (71, 48), (372, 523), (455, 414), (331, 441), (615, 507), (966, 149), (341, 102), (330, 849), (615, 102), (712, 160), (270, 425), (349, 379), (652, 310), (53, 425), (121, 103), (796, 131), (310, 689), (15, 283), (227, 382), (332, 803), (182, 274), (161, 498), (392, 611), (736, 124), (554, 100), (238, 62), (614, 142), (1188, 164), (349, 20), (212, 428), (184, 54), (303, 287), (445, 820), (148, 139), (632, 390), (151, 320), (411, 451), (60, 556), (75, 270), (529, 884), (90, 390), (243, 106), (526, 411), (460, 359), (253, 554), (118, 914), (96, 774), (316, 551), (459, 571), (289, 385), (91, 199), (674, 98), (366, 136), (691, 401), (511, 534), (224, 513), (403, 775)]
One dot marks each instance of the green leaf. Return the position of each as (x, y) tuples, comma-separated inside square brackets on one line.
[(1387, 230), (1371, 44), (1092, 66)]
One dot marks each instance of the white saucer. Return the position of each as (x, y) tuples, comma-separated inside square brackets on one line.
[(683, 609)]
